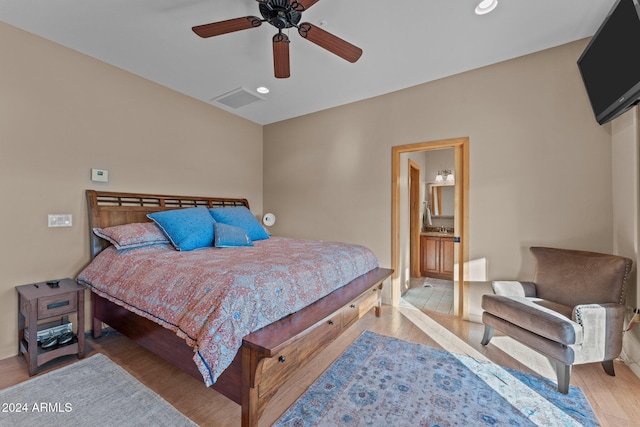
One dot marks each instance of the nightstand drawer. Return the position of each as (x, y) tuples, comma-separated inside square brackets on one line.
[(56, 305)]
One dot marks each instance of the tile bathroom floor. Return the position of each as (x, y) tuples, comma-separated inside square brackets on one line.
[(429, 294)]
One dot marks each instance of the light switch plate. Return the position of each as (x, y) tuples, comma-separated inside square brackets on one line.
[(60, 220)]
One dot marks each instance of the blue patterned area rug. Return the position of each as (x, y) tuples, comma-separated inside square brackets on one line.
[(383, 381)]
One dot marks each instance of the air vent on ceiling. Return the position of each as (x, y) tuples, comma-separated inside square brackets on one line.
[(237, 98)]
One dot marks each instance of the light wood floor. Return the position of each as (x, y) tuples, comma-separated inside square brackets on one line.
[(616, 400)]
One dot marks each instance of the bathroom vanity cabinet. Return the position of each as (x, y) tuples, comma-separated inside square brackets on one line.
[(437, 256)]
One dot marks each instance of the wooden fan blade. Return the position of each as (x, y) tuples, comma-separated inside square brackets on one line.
[(228, 26), (302, 5), (333, 44), (281, 56)]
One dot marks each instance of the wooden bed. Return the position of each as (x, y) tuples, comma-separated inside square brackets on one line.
[(269, 356)]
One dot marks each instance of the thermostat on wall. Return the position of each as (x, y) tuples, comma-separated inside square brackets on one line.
[(100, 175)]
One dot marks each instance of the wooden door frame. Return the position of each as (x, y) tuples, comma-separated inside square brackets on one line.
[(414, 218), (461, 208)]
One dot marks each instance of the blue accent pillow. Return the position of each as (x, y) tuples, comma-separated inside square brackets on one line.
[(187, 229), (242, 217), (229, 236)]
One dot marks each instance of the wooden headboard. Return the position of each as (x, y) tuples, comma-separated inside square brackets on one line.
[(107, 209)]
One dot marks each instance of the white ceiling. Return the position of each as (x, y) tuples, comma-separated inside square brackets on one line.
[(405, 43)]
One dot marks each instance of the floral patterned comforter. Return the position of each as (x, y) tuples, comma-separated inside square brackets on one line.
[(213, 297)]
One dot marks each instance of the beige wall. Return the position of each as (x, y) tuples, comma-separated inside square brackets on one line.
[(63, 113), (540, 165), (626, 209)]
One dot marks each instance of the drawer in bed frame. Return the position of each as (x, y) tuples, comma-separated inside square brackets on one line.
[(279, 368)]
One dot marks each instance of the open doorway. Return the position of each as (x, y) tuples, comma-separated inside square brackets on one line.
[(401, 192), (431, 185)]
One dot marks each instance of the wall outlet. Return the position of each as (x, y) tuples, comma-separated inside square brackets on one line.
[(60, 220)]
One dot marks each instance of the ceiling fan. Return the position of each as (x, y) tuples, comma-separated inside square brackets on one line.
[(283, 14)]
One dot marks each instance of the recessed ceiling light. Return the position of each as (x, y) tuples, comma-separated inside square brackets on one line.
[(486, 6), (263, 89)]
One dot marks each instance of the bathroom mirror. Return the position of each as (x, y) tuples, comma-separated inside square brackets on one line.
[(441, 199)]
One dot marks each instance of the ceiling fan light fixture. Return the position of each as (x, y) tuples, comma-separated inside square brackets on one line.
[(283, 14), (486, 6)]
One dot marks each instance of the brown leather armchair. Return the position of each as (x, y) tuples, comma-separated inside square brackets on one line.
[(573, 311)]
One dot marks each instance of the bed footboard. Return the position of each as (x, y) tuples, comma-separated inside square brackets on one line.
[(272, 355)]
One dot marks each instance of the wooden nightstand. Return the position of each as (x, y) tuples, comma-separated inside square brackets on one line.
[(38, 302)]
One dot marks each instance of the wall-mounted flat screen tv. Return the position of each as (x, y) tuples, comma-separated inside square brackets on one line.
[(610, 64)]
